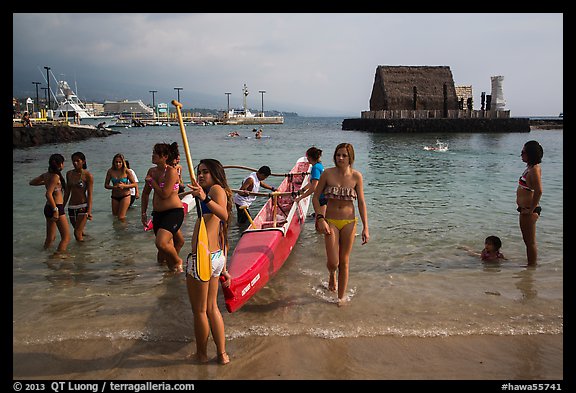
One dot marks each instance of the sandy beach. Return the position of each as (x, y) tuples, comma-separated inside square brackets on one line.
[(533, 357)]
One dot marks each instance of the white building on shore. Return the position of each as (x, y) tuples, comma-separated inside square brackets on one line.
[(128, 107)]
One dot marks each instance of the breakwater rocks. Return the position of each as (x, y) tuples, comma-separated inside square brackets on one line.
[(42, 134), (438, 125), (547, 124)]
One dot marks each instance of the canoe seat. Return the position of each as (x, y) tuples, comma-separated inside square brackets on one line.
[(270, 224)]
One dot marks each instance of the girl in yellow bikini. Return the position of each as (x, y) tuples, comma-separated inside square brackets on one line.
[(341, 185)]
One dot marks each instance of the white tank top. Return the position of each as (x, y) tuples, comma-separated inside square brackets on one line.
[(247, 200)]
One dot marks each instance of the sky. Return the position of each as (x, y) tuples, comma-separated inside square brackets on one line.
[(317, 64)]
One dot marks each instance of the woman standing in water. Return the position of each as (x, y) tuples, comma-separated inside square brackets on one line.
[(79, 186), (122, 182), (313, 155), (528, 196), (167, 209), (216, 202), (341, 185), (54, 208)]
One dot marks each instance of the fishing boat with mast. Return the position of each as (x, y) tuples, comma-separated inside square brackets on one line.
[(71, 108)]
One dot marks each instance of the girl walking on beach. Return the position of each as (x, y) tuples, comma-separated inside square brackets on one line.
[(216, 202), (79, 186), (54, 208), (528, 196), (167, 209), (122, 182), (341, 185)]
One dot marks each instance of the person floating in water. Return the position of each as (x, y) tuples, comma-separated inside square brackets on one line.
[(490, 252)]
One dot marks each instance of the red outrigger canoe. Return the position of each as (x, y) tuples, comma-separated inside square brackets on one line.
[(266, 244)]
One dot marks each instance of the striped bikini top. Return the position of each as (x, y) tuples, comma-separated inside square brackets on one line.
[(522, 181), (342, 193)]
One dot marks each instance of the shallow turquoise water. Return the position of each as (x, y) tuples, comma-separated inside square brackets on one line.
[(411, 279)]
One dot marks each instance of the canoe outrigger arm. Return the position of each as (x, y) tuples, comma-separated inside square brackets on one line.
[(256, 170), (245, 208), (265, 194), (274, 195)]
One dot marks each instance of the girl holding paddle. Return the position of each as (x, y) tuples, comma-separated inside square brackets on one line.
[(341, 185), (211, 188)]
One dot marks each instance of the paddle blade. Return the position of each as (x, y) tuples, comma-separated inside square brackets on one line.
[(203, 262), (198, 263)]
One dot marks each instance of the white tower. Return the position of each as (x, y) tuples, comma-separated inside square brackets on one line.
[(498, 102)]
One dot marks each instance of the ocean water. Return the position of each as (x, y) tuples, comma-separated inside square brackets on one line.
[(413, 279)]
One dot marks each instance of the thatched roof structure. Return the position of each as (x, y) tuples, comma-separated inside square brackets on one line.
[(394, 88)]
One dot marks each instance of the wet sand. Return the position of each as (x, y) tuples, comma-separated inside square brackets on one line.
[(533, 357)]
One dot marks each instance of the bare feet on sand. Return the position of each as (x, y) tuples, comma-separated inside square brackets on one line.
[(223, 358), (178, 268), (197, 358), (342, 302), (332, 281)]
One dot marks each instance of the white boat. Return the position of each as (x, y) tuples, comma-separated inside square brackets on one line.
[(240, 113), (440, 146), (244, 116), (70, 106)]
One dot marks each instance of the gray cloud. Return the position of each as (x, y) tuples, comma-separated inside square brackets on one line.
[(314, 64)]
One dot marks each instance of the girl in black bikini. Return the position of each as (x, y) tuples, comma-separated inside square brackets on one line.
[(54, 208), (79, 187), (167, 210)]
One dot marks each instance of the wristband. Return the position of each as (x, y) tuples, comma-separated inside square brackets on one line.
[(319, 216), (207, 199), (55, 209)]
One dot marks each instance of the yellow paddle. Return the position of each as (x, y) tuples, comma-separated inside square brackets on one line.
[(245, 208), (202, 269)]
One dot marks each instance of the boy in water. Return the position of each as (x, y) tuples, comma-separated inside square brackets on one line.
[(491, 251)]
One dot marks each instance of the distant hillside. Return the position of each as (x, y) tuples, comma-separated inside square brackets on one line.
[(21, 107)]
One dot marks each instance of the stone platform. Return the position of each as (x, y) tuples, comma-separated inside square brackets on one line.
[(465, 125)]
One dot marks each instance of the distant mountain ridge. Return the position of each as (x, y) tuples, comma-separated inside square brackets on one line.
[(98, 91)]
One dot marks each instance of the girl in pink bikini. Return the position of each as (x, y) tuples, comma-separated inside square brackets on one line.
[(528, 195), (341, 185), (167, 209)]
